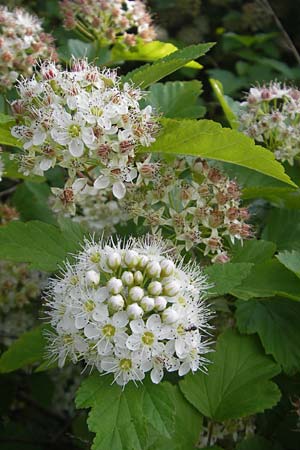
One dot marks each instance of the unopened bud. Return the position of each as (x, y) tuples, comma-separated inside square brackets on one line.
[(169, 316), (153, 269), (115, 286), (160, 303), (116, 302), (134, 311), (138, 277), (93, 277), (136, 293), (167, 267), (147, 303), (127, 278), (171, 288), (155, 288), (131, 258), (114, 260)]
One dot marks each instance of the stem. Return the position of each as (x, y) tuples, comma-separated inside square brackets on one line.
[(8, 191), (290, 44)]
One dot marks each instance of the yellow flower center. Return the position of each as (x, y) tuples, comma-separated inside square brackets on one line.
[(125, 364), (148, 338), (74, 131), (96, 111), (95, 257), (68, 339), (108, 330), (180, 329), (89, 305)]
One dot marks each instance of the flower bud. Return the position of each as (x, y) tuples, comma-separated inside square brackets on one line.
[(131, 258), (134, 311), (167, 267), (138, 277), (171, 288), (136, 293), (153, 269), (115, 286), (93, 277), (155, 288), (143, 260), (114, 260), (116, 302), (127, 278), (147, 303), (169, 316), (160, 303)]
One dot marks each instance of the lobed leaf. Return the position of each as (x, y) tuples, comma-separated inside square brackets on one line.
[(277, 323), (238, 380), (121, 418)]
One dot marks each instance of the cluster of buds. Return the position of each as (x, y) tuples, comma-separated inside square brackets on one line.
[(85, 121), (195, 204), (128, 309), (109, 21), (19, 287), (22, 44), (271, 115)]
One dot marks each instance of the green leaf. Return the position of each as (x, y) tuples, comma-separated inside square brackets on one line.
[(257, 443), (42, 245), (6, 120), (31, 200), (7, 139), (176, 99), (277, 323), (225, 277), (283, 228), (27, 349), (238, 380), (291, 260), (151, 73), (219, 93), (151, 51), (252, 251), (188, 423), (121, 418), (208, 139), (269, 279)]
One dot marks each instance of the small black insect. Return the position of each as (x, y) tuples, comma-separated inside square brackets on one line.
[(191, 328)]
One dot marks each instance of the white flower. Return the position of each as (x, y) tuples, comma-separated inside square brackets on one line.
[(123, 324)]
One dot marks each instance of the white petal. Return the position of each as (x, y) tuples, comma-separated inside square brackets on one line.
[(90, 331), (109, 364), (102, 182), (39, 137), (184, 369), (79, 185), (100, 313), (76, 147), (120, 319), (156, 375), (133, 342), (119, 190), (180, 347), (104, 347), (88, 136), (137, 325), (101, 294), (131, 175), (45, 164), (80, 322), (154, 322)]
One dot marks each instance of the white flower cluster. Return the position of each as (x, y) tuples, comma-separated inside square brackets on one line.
[(98, 212), (129, 309), (22, 44), (191, 202), (82, 120), (109, 21), (271, 115)]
